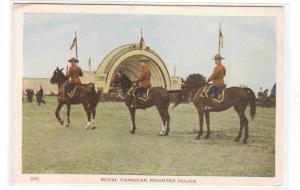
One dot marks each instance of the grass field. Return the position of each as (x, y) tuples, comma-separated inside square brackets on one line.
[(110, 149)]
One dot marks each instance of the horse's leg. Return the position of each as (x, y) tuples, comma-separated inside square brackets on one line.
[(68, 114), (200, 114), (87, 109), (246, 129), (241, 126), (59, 106), (163, 117), (207, 120), (243, 123), (132, 114), (237, 139), (168, 122), (93, 109)]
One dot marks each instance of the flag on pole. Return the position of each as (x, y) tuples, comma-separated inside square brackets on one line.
[(221, 38), (142, 42), (74, 43)]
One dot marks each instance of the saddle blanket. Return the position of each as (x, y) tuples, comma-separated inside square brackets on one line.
[(141, 94), (215, 94), (70, 89)]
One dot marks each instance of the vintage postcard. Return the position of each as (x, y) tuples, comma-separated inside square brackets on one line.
[(185, 95)]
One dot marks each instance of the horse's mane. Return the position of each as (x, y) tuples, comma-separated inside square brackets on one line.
[(126, 83), (193, 83)]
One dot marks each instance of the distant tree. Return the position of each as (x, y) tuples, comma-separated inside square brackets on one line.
[(198, 77)]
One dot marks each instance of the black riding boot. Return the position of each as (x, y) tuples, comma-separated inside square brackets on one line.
[(208, 105), (133, 102)]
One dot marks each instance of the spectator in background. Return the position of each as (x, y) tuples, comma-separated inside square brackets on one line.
[(29, 93), (40, 96)]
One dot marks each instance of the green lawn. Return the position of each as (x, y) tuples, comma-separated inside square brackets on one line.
[(110, 149)]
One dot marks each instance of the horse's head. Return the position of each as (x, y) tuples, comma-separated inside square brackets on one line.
[(121, 80), (116, 81), (58, 76), (188, 85)]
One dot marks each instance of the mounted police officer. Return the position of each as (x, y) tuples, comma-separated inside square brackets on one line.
[(143, 81), (216, 80), (73, 75)]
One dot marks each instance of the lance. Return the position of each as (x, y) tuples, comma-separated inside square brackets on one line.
[(219, 39), (76, 46)]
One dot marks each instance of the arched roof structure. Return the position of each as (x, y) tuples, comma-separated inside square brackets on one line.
[(126, 58)]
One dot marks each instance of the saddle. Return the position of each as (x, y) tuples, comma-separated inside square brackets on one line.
[(214, 96), (144, 96), (70, 89)]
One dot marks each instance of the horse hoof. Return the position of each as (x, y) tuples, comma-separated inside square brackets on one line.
[(93, 127), (61, 122), (67, 125), (166, 134), (206, 137), (131, 131), (245, 141), (197, 137)]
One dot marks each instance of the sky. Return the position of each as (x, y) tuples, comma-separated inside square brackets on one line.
[(186, 42)]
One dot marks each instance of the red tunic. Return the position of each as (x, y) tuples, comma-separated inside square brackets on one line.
[(144, 77), (218, 75), (74, 73)]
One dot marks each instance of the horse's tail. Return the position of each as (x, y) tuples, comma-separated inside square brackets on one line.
[(252, 102), (179, 98)]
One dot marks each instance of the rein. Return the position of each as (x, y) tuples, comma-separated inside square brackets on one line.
[(119, 94), (200, 90)]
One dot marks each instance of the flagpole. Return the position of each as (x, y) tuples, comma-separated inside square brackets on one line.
[(174, 70), (76, 45), (90, 68), (219, 39)]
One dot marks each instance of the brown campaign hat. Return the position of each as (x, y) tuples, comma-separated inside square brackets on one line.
[(218, 57), (73, 60)]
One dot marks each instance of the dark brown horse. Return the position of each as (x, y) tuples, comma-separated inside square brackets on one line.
[(236, 97), (158, 97), (84, 94)]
